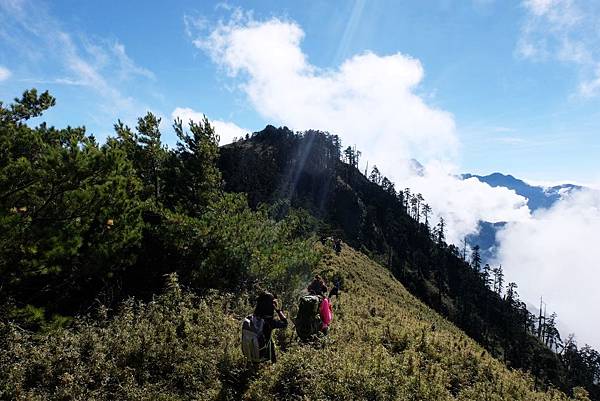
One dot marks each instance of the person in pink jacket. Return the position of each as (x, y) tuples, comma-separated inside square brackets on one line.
[(326, 312), (319, 288)]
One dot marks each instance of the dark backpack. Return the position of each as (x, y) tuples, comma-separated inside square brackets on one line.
[(308, 320)]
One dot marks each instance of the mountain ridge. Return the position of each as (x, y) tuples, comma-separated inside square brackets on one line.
[(538, 197), (92, 231), (310, 171)]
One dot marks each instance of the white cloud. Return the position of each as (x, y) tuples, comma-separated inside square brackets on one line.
[(463, 203), (127, 65), (555, 254), (4, 73), (559, 12), (371, 100), (226, 130), (510, 140), (193, 24), (591, 86), (566, 31)]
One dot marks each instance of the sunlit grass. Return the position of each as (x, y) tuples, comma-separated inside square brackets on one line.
[(384, 344)]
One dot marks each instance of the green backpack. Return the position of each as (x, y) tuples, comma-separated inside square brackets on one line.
[(308, 320)]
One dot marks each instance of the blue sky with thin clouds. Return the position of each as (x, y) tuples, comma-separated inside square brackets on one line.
[(521, 80)]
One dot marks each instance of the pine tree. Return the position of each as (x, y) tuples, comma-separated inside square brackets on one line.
[(476, 259), (153, 154), (426, 211), (512, 296), (419, 199), (498, 280), (352, 156), (69, 208), (441, 231), (375, 176), (552, 336), (195, 179), (388, 186), (485, 276)]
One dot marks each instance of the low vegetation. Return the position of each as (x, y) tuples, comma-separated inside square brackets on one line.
[(384, 345)]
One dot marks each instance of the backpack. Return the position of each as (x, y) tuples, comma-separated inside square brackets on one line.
[(254, 345), (308, 320)]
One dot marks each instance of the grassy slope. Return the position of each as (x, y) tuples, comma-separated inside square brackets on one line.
[(384, 345)]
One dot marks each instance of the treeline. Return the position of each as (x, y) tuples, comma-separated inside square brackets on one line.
[(84, 224), (310, 170)]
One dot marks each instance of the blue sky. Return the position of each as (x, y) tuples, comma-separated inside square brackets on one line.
[(514, 110)]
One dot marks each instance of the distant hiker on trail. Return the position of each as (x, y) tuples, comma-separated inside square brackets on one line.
[(337, 245), (315, 311), (317, 286), (257, 328)]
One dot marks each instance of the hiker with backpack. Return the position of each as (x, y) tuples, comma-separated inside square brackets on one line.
[(257, 344), (315, 311)]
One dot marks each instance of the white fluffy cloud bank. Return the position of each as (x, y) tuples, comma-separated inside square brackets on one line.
[(555, 254), (227, 131), (463, 203), (370, 100)]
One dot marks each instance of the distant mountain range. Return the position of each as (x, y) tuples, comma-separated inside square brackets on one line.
[(538, 197)]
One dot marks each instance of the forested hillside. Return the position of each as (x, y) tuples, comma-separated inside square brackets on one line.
[(311, 171), (90, 233), (84, 224)]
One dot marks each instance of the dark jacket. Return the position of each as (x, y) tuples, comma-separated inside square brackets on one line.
[(271, 324)]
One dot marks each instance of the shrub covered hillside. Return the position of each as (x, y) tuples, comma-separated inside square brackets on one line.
[(384, 345)]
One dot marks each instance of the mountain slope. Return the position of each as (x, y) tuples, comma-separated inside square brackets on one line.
[(384, 344), (284, 169)]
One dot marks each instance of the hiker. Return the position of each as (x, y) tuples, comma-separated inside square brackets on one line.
[(317, 286), (337, 246), (315, 311), (257, 344)]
